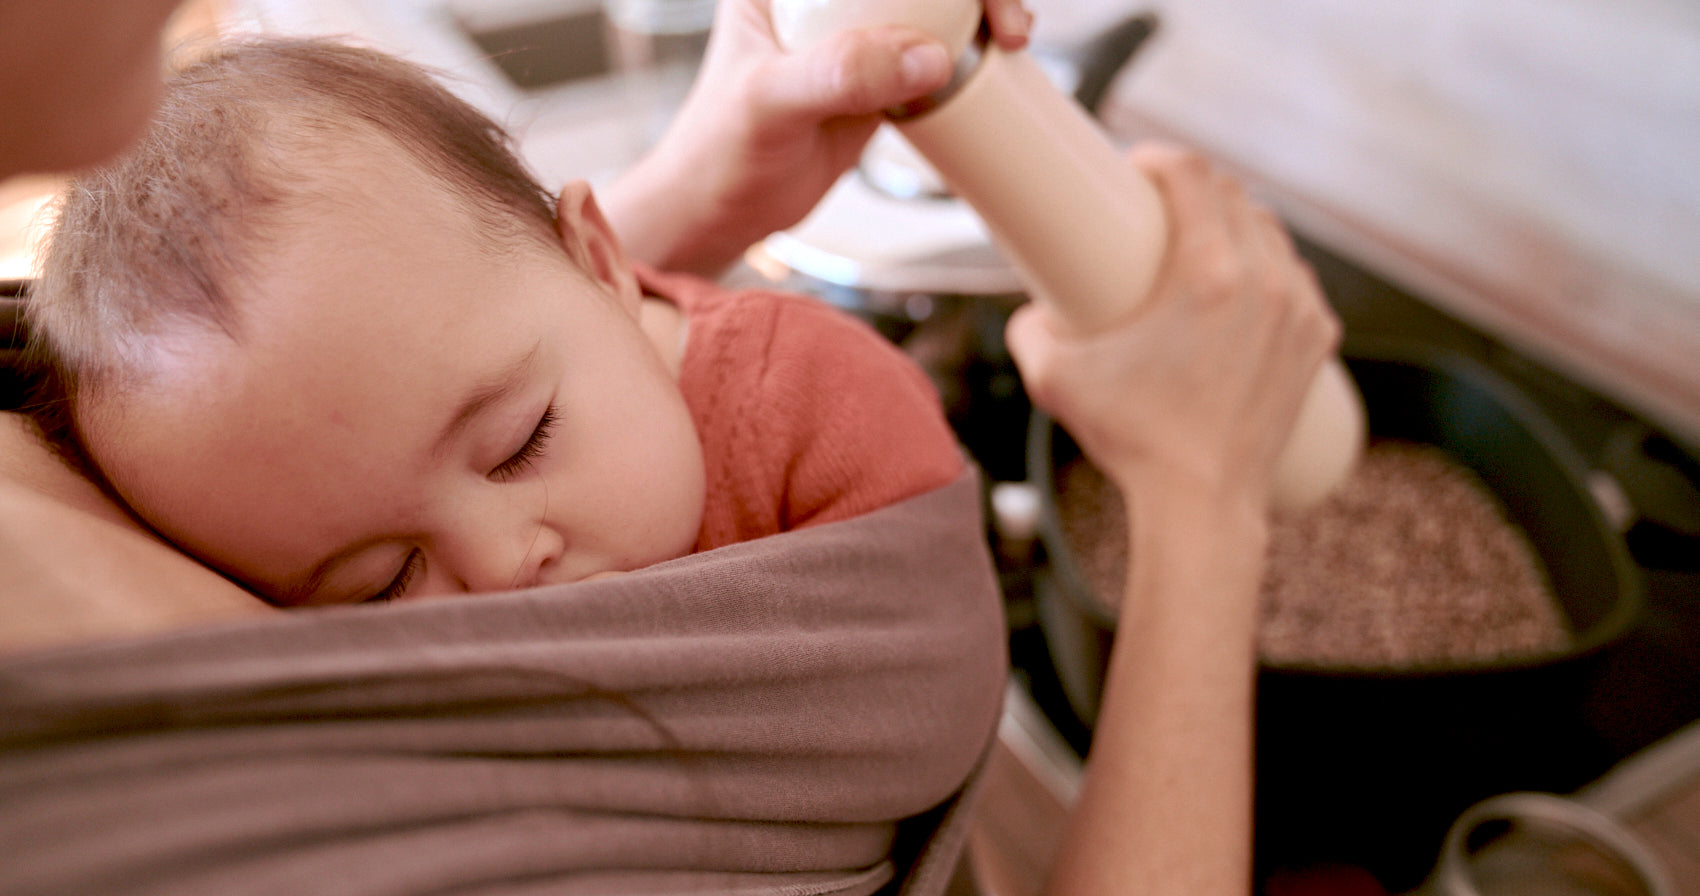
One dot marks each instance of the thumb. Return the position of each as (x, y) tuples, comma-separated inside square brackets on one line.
[(855, 73)]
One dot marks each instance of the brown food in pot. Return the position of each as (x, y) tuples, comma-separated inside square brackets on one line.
[(1411, 562)]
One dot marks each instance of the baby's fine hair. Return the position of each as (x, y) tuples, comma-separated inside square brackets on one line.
[(148, 244)]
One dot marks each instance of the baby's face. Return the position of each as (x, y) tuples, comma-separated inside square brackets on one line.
[(405, 412)]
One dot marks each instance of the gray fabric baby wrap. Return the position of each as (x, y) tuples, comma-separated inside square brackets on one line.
[(802, 714)]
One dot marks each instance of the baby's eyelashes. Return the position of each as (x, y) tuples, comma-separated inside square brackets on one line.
[(410, 570), (530, 451)]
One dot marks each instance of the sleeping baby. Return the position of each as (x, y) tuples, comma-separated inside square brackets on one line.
[(325, 333)]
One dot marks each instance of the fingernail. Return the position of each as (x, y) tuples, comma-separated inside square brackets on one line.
[(925, 64), (1018, 22)]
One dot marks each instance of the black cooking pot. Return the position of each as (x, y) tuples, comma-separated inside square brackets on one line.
[(1368, 766)]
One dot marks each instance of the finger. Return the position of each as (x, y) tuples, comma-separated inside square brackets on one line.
[(1268, 238), (1277, 255), (1201, 260), (1278, 229), (1027, 336), (1243, 224), (855, 73), (1012, 23), (1187, 182), (1149, 155), (1287, 278), (1031, 340)]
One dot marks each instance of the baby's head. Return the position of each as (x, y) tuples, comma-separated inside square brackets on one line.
[(324, 332)]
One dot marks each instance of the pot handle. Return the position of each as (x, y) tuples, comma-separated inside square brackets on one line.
[(1660, 485), (1103, 57)]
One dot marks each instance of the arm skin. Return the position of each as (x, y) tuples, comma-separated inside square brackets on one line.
[(76, 568), (1185, 407), (764, 133), (1167, 806)]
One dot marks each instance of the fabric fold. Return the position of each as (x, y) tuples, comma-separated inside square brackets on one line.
[(797, 714)]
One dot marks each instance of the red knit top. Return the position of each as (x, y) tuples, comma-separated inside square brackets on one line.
[(806, 415)]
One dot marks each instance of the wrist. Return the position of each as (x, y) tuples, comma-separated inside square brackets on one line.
[(1197, 547), (1183, 496), (664, 213)]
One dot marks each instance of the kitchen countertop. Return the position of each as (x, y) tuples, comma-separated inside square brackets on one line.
[(1531, 166), (1656, 795)]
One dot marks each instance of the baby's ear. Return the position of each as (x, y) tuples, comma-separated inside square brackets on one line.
[(590, 240)]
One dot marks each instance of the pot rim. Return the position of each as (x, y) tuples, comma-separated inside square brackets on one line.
[(1611, 627)]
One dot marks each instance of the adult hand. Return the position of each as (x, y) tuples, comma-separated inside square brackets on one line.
[(765, 133), (1203, 384)]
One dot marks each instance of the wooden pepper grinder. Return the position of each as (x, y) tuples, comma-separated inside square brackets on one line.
[(1084, 228)]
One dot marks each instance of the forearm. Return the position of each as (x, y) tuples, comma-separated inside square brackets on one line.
[(1166, 803), (665, 219), (75, 568)]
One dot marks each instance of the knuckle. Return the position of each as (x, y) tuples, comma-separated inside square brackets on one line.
[(1267, 219), (853, 77), (1274, 281), (1332, 329), (846, 83), (1159, 157), (1194, 163), (1220, 275)]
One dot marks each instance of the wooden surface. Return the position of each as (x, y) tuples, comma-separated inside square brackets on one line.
[(1533, 166), (1671, 827), (1656, 795)]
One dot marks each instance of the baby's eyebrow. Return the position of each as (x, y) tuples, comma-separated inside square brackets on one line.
[(483, 395)]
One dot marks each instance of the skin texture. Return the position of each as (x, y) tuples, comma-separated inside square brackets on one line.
[(76, 567), (312, 457)]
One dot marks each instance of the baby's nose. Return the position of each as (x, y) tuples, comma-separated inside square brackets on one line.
[(484, 561)]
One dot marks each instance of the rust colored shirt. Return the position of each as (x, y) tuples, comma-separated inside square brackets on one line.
[(806, 414)]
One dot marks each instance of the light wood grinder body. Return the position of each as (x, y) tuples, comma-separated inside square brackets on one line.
[(1084, 228)]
